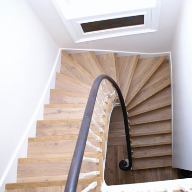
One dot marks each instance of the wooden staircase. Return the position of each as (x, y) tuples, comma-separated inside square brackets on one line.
[(145, 85)]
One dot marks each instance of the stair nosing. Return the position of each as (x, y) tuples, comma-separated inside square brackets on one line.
[(48, 183)]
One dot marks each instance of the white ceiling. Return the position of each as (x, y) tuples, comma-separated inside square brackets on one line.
[(155, 42), (73, 9)]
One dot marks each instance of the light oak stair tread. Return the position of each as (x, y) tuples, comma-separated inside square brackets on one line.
[(53, 158), (52, 113), (117, 141), (116, 126), (153, 151), (159, 100), (73, 70), (80, 187), (117, 133), (64, 83), (151, 140), (117, 115), (66, 111), (63, 97), (48, 168), (54, 146), (152, 162), (145, 68), (152, 116), (150, 128), (89, 62), (60, 127), (109, 65), (164, 69), (127, 66), (72, 80), (150, 91), (42, 184), (158, 81)]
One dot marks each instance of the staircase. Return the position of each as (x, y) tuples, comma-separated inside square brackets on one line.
[(145, 86)]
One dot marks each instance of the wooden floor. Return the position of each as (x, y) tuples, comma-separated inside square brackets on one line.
[(117, 151)]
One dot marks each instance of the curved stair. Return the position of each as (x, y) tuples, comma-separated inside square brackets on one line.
[(145, 85)]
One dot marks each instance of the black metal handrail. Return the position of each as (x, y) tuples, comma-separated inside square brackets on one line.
[(75, 167)]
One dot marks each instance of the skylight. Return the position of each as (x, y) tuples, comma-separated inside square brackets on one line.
[(88, 20)]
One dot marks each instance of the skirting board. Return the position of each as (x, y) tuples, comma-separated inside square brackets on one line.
[(119, 53), (9, 176)]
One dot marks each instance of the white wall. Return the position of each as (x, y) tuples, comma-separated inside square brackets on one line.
[(160, 41), (182, 89), (28, 60)]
